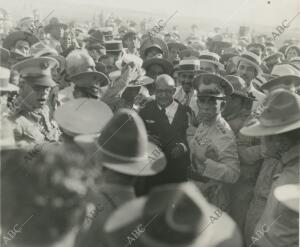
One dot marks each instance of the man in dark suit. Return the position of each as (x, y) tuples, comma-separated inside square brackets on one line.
[(166, 122)]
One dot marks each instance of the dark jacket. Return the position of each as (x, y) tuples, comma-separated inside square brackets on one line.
[(168, 135)]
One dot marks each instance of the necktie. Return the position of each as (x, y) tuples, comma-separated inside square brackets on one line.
[(163, 111)]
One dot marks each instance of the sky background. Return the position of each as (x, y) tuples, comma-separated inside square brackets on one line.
[(209, 13), (266, 12)]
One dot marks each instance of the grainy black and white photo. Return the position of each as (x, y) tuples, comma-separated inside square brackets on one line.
[(161, 123)]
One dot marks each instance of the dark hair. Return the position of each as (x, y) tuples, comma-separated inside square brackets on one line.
[(49, 190)]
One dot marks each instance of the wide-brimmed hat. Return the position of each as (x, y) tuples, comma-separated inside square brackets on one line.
[(141, 81), (172, 215), (188, 65), (10, 41), (211, 57), (212, 85), (288, 195), (250, 58), (154, 42), (165, 64), (123, 146), (281, 114), (37, 71), (90, 78), (286, 81), (240, 87), (4, 81), (82, 116), (285, 69)]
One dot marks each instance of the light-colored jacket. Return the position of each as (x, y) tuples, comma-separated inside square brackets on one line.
[(280, 223), (222, 166)]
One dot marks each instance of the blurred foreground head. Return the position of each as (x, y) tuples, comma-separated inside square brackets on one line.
[(43, 195)]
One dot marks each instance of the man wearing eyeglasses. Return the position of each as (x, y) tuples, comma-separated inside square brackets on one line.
[(166, 122), (214, 157)]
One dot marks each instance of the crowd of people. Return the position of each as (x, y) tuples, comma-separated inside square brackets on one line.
[(121, 135)]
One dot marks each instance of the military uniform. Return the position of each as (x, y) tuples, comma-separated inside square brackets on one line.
[(34, 124), (222, 164), (214, 155)]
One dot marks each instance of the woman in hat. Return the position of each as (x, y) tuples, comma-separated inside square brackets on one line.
[(19, 42), (292, 51), (279, 126)]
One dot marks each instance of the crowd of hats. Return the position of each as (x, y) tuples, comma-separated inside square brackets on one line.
[(53, 186)]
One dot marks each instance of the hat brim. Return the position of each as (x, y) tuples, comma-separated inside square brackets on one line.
[(144, 81), (99, 77), (42, 81), (287, 80), (147, 167), (218, 64), (12, 38), (88, 120), (256, 129), (228, 89), (130, 215), (237, 59), (167, 66), (288, 195)]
